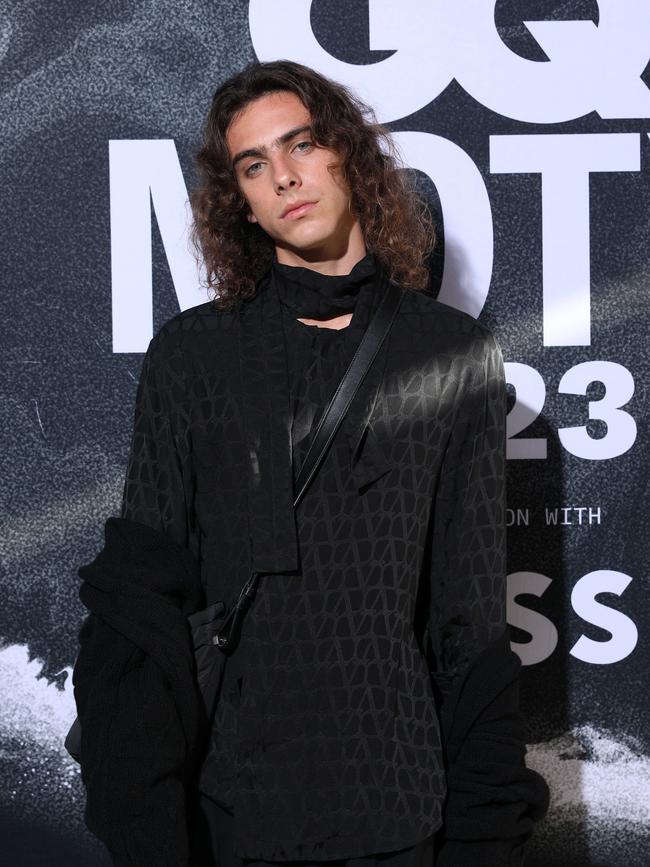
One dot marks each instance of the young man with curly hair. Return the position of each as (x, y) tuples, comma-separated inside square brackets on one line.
[(370, 710)]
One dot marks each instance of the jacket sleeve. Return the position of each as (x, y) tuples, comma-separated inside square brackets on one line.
[(492, 798), (158, 488)]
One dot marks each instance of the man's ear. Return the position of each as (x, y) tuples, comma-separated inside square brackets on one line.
[(251, 217)]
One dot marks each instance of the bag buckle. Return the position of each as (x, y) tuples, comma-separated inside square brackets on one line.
[(228, 635)]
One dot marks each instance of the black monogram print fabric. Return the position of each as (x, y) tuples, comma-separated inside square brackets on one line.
[(326, 742)]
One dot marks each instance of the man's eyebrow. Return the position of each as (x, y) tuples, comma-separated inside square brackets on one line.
[(280, 140)]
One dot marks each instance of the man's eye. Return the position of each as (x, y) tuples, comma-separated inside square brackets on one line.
[(250, 170), (307, 144)]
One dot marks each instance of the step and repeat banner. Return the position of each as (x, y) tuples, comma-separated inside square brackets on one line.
[(525, 123)]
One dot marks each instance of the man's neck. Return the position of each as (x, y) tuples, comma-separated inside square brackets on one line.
[(334, 263)]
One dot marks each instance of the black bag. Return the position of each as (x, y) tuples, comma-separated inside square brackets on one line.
[(215, 631)]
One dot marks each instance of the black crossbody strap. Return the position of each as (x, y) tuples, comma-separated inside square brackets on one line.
[(338, 406), (228, 635)]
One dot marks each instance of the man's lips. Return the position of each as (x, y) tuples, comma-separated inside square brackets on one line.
[(298, 211)]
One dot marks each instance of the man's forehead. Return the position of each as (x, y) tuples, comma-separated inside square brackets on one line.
[(267, 120)]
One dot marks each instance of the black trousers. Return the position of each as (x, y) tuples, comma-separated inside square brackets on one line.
[(212, 846)]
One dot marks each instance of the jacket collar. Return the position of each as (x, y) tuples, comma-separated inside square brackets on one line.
[(265, 406)]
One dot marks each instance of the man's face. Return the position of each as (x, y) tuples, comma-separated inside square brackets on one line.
[(278, 167)]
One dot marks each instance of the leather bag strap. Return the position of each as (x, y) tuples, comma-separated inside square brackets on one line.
[(339, 404)]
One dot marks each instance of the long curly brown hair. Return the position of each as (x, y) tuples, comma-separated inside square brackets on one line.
[(395, 221)]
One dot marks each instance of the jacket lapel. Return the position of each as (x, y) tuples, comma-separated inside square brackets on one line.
[(369, 459)]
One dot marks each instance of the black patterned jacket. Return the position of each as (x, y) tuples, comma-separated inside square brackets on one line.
[(347, 701)]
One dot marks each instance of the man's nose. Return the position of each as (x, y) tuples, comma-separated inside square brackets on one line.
[(285, 174)]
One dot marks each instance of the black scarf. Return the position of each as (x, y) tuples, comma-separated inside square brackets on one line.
[(312, 295)]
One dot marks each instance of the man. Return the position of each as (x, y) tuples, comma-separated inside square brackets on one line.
[(369, 711)]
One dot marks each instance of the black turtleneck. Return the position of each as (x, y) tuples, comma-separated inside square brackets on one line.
[(311, 295)]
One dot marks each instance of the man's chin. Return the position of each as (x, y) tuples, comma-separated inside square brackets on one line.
[(313, 249)]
